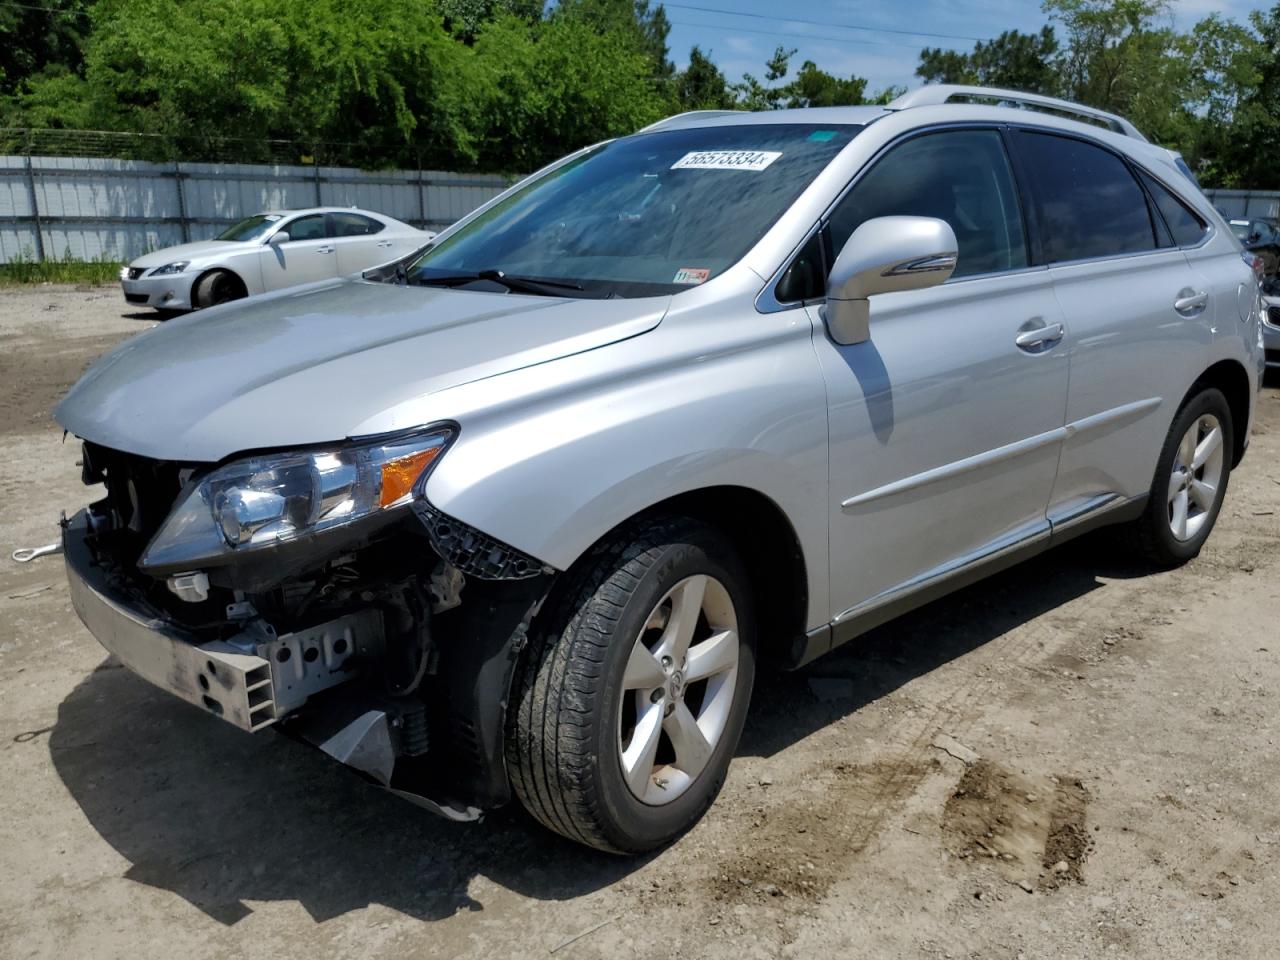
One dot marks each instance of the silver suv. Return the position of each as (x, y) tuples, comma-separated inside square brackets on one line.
[(520, 515)]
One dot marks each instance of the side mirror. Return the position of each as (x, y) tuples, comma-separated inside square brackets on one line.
[(279, 237), (883, 255)]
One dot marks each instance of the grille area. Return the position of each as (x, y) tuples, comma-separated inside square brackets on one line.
[(1273, 316), (140, 494), (136, 297)]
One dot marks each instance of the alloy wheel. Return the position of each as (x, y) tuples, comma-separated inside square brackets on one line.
[(1198, 467), (678, 689)]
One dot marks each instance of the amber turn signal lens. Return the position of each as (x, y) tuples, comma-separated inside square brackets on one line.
[(399, 475)]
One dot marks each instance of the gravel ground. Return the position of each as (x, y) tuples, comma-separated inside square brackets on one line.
[(1076, 758)]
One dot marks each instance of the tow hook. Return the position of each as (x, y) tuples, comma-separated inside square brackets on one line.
[(27, 554)]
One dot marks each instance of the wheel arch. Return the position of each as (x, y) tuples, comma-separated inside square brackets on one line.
[(484, 666), (1231, 378), (218, 268), (763, 537)]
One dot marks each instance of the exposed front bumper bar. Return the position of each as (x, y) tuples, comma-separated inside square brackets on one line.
[(245, 680)]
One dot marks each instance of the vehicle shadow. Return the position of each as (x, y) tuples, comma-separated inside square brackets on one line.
[(888, 657), (152, 316), (221, 818)]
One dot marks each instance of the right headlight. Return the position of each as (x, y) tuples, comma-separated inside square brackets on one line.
[(259, 502)]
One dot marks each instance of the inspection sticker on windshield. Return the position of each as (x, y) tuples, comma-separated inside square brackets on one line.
[(726, 160), (692, 275)]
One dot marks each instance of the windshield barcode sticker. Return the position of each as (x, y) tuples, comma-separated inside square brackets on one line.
[(726, 160)]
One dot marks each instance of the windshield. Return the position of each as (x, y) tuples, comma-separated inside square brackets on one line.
[(651, 214), (251, 228)]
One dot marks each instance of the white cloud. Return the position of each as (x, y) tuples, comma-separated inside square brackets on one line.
[(1187, 12)]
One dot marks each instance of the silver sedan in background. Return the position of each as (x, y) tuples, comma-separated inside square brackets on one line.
[(268, 251)]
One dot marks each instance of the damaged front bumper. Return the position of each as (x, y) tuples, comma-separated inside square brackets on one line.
[(251, 679), (325, 683)]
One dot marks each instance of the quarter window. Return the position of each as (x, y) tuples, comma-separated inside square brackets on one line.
[(1187, 228), (1090, 204), (960, 176), (803, 280)]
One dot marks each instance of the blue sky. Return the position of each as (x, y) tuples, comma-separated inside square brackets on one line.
[(741, 44)]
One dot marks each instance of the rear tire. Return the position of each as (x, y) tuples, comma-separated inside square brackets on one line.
[(1190, 482), (215, 287), (619, 737)]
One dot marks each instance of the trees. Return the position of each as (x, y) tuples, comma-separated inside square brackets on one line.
[(817, 88), (38, 35), (536, 94), (1125, 57), (488, 84), (1212, 93), (701, 85), (1013, 60), (646, 25), (1251, 76), (244, 71), (811, 87), (507, 84)]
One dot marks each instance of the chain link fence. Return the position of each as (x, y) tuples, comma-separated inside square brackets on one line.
[(191, 147)]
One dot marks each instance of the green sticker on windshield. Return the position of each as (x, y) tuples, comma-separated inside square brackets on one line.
[(822, 136)]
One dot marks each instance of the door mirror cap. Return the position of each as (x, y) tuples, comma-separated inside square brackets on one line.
[(885, 254), (279, 237)]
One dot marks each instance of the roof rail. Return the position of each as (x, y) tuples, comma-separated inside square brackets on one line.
[(936, 93), (708, 114)]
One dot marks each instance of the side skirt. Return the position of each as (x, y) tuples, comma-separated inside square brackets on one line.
[(872, 613)]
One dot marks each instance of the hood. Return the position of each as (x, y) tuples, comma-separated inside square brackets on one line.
[(189, 251), (320, 363)]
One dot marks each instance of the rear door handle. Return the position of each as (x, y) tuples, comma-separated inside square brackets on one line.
[(1050, 333), (384, 243), (324, 249), (1190, 303)]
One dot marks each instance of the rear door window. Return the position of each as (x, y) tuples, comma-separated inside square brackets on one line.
[(1090, 204), (353, 225), (960, 176), (310, 227)]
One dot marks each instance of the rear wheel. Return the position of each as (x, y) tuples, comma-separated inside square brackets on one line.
[(629, 702), (215, 287), (1190, 481)]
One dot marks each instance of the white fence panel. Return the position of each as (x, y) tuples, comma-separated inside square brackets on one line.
[(90, 209), (1243, 204)]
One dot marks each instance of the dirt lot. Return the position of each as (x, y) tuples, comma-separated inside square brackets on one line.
[(1077, 758)]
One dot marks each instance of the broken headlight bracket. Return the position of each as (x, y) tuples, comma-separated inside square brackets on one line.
[(474, 553)]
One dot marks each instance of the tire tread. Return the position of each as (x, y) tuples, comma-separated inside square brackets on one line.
[(556, 687)]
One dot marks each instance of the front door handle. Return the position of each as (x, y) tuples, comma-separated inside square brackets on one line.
[(1050, 333), (1190, 303), (324, 249), (384, 243)]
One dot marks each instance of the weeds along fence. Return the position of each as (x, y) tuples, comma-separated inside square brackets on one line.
[(95, 206)]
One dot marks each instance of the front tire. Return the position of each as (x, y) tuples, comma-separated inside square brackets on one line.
[(1190, 482), (215, 287), (629, 702)]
